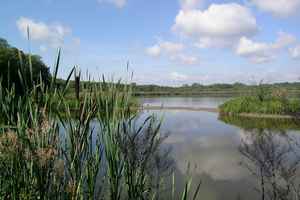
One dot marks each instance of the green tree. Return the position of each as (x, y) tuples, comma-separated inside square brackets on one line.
[(14, 61), (3, 43)]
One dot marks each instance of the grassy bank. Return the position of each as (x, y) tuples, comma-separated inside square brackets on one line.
[(251, 123), (253, 104)]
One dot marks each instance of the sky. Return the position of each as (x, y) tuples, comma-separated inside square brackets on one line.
[(166, 42)]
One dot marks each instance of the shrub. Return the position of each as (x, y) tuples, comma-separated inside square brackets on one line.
[(14, 62), (255, 105)]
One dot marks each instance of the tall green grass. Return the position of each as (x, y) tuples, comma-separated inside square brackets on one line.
[(252, 104), (263, 100), (113, 160)]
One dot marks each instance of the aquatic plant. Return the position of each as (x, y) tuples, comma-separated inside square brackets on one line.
[(97, 147), (252, 104)]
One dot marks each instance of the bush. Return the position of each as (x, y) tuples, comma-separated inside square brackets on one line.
[(270, 105), (293, 106), (14, 62)]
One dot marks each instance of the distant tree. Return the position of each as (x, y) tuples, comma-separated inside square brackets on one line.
[(13, 60), (134, 84), (4, 43), (196, 85), (238, 84)]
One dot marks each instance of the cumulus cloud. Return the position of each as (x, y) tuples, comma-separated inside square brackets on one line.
[(173, 51), (185, 59), (256, 52), (190, 4), (117, 3), (178, 76), (295, 52), (170, 47), (260, 52), (219, 25), (164, 47), (281, 8), (53, 34), (154, 50), (47, 35)]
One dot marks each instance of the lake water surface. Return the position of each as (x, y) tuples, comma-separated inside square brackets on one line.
[(201, 102), (213, 145)]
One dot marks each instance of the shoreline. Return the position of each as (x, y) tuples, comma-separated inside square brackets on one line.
[(272, 116), (183, 108), (216, 110)]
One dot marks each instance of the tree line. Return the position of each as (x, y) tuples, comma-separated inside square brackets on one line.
[(15, 64)]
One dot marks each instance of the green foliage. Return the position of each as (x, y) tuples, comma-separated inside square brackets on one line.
[(253, 104), (4, 43), (294, 106), (236, 89), (44, 155), (15, 63), (251, 123), (263, 101)]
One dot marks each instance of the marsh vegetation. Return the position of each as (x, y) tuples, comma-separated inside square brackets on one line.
[(52, 149), (263, 101)]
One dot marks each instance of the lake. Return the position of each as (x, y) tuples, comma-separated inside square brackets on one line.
[(215, 147)]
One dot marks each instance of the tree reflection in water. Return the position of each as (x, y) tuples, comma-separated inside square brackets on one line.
[(274, 159), (272, 154)]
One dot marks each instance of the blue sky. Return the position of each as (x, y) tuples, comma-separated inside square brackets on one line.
[(168, 42)]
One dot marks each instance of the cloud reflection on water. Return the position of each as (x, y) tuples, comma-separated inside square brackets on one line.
[(200, 139), (205, 141)]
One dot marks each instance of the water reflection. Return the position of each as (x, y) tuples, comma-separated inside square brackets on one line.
[(224, 151), (204, 102), (272, 124), (271, 154), (274, 160), (211, 147)]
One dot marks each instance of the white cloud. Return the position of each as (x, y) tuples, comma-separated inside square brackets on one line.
[(38, 30), (215, 42), (52, 34), (185, 59), (48, 35), (178, 77), (284, 40), (259, 52), (173, 51), (154, 50), (190, 4), (170, 47), (281, 8), (256, 52), (295, 52), (164, 47), (117, 3), (219, 25)]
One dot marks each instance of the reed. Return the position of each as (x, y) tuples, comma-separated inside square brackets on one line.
[(252, 104), (97, 147)]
